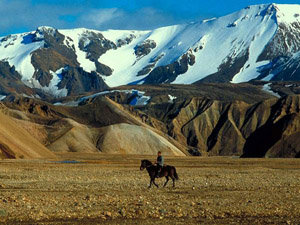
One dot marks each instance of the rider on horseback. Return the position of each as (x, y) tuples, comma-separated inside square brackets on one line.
[(159, 163)]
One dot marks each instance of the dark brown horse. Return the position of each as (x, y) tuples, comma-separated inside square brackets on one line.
[(166, 171)]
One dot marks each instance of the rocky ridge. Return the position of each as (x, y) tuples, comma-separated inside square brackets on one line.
[(207, 122), (256, 43)]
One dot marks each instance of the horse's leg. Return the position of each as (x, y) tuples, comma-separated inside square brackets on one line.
[(155, 183), (173, 179), (167, 179), (151, 180)]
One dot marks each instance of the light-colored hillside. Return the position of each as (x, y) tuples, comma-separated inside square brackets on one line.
[(16, 142)]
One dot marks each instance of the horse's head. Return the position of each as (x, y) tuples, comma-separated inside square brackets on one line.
[(144, 164)]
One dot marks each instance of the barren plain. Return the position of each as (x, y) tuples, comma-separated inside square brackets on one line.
[(111, 189)]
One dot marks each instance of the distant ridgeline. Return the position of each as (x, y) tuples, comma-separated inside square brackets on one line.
[(258, 42)]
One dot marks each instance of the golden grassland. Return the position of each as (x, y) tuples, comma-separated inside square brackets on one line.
[(111, 189)]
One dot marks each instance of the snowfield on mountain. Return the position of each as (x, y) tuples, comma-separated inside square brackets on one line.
[(258, 42)]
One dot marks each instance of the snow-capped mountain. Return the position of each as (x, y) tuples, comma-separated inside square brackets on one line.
[(257, 42)]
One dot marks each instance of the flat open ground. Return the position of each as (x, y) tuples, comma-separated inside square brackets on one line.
[(105, 189)]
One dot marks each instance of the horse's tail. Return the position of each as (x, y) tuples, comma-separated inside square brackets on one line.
[(175, 174)]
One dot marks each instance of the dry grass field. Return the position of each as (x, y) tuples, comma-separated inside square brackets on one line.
[(110, 189)]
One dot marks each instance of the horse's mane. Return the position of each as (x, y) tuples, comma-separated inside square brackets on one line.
[(147, 161)]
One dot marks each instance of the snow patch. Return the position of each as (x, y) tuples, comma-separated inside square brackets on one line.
[(222, 43), (115, 35), (52, 88), (76, 35), (171, 98), (213, 42), (208, 20), (289, 85), (44, 29), (234, 24), (121, 60), (268, 89), (139, 99), (268, 78), (288, 13), (17, 50)]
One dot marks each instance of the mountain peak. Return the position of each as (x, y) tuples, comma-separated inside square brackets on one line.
[(45, 30), (290, 12), (257, 42), (287, 13)]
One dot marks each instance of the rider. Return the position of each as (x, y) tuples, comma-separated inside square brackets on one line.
[(159, 163)]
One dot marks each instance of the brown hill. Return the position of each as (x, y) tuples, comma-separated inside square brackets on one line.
[(131, 139), (268, 128), (16, 142), (223, 124), (99, 126), (216, 126)]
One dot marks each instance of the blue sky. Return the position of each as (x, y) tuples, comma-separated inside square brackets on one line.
[(26, 15)]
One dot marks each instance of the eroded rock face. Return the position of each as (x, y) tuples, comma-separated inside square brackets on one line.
[(144, 48), (210, 126), (77, 81), (227, 70), (46, 60), (56, 55), (125, 41), (168, 73), (277, 137), (231, 122), (96, 45), (31, 106), (11, 82), (284, 43), (147, 69), (53, 56), (100, 125), (282, 51), (263, 129)]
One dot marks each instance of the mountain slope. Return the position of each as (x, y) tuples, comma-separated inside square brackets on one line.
[(233, 48), (197, 50), (257, 42), (203, 119), (214, 119), (267, 128), (16, 142), (101, 126)]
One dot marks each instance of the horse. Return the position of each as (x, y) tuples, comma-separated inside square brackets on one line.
[(167, 171)]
